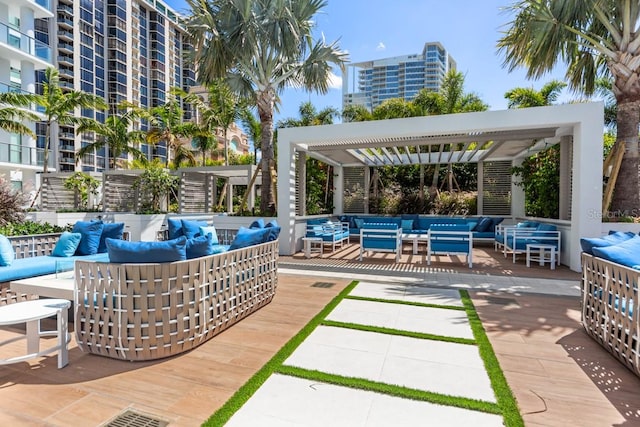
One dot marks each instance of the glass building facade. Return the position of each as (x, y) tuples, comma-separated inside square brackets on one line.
[(370, 83)]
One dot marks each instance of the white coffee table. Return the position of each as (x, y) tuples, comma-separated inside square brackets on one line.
[(59, 285), (415, 238), (31, 312), (542, 253)]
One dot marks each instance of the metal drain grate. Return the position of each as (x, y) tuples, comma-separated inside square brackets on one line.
[(502, 301), (133, 419), (323, 285)]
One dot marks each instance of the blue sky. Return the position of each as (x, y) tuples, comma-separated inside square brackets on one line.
[(372, 29)]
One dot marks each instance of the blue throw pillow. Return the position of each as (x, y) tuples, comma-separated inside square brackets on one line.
[(111, 230), (174, 226), (275, 230), (210, 229), (406, 225), (91, 232), (124, 251), (484, 225), (199, 246), (626, 253), (67, 244), (358, 222), (495, 221), (472, 225), (7, 254), (249, 237), (191, 228), (588, 243), (258, 223)]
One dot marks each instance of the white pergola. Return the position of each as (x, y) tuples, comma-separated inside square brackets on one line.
[(482, 138)]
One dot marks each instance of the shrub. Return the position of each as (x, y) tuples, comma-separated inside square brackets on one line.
[(84, 185), (11, 204), (31, 227), (455, 203)]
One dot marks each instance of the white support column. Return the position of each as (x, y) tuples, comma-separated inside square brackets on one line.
[(302, 183), (517, 194), (367, 185), (586, 195), (565, 177), (480, 179), (338, 190), (229, 196), (286, 193)]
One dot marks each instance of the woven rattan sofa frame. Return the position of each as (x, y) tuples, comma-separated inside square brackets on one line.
[(26, 247), (142, 312), (608, 289)]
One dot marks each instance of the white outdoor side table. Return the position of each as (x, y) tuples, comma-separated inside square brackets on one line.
[(311, 243), (541, 252), (31, 312)]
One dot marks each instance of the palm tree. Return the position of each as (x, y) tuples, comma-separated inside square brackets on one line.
[(60, 106), (167, 126), (310, 116), (523, 97), (251, 126), (13, 112), (261, 47), (116, 136), (594, 38), (356, 113)]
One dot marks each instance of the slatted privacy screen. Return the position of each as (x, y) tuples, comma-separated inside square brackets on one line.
[(496, 181), (354, 189), (197, 192), (297, 185), (118, 194), (55, 197)]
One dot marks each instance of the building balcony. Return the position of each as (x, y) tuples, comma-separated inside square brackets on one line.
[(65, 9), (65, 47), (64, 59), (64, 22), (25, 156), (17, 45), (66, 35)]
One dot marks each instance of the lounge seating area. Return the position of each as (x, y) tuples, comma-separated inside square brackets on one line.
[(515, 239), (610, 301)]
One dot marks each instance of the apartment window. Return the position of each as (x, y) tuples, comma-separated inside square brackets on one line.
[(16, 76)]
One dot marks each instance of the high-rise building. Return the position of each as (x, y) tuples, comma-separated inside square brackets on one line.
[(369, 83), (121, 50), (24, 50)]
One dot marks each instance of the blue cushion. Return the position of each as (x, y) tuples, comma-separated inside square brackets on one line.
[(218, 249), (112, 230), (542, 230), (275, 230), (472, 225), (406, 225), (174, 225), (249, 236), (40, 265), (91, 232), (626, 253), (210, 229), (123, 251), (191, 228), (358, 222), (484, 224), (7, 254), (588, 243), (258, 223), (495, 221), (199, 246), (67, 244)]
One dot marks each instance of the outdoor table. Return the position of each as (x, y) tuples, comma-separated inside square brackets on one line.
[(31, 312), (542, 253)]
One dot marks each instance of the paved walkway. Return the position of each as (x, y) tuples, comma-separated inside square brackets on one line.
[(445, 368)]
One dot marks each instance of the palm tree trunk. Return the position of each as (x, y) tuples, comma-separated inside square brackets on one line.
[(626, 196), (226, 148), (265, 103)]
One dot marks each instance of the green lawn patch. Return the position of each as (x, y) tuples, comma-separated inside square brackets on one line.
[(414, 303)]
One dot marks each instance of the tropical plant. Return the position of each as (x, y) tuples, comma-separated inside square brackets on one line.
[(117, 135), (23, 228), (168, 127), (395, 108), (356, 113), (594, 38), (84, 184), (261, 47), (13, 112), (451, 98), (11, 204), (154, 184), (59, 107), (523, 97), (251, 126)]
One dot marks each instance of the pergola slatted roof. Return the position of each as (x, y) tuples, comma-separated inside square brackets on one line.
[(470, 147)]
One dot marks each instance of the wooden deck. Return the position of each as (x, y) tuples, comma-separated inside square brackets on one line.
[(559, 376)]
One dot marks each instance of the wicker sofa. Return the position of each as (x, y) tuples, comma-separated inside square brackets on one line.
[(149, 311), (610, 311)]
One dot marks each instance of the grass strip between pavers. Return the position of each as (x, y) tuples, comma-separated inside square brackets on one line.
[(504, 395), (392, 390), (226, 411), (506, 405), (391, 331), (414, 303)]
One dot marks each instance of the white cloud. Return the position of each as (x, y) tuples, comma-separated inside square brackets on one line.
[(381, 46), (335, 81)]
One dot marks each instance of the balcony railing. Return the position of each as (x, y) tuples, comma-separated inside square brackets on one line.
[(18, 40), (17, 154)]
